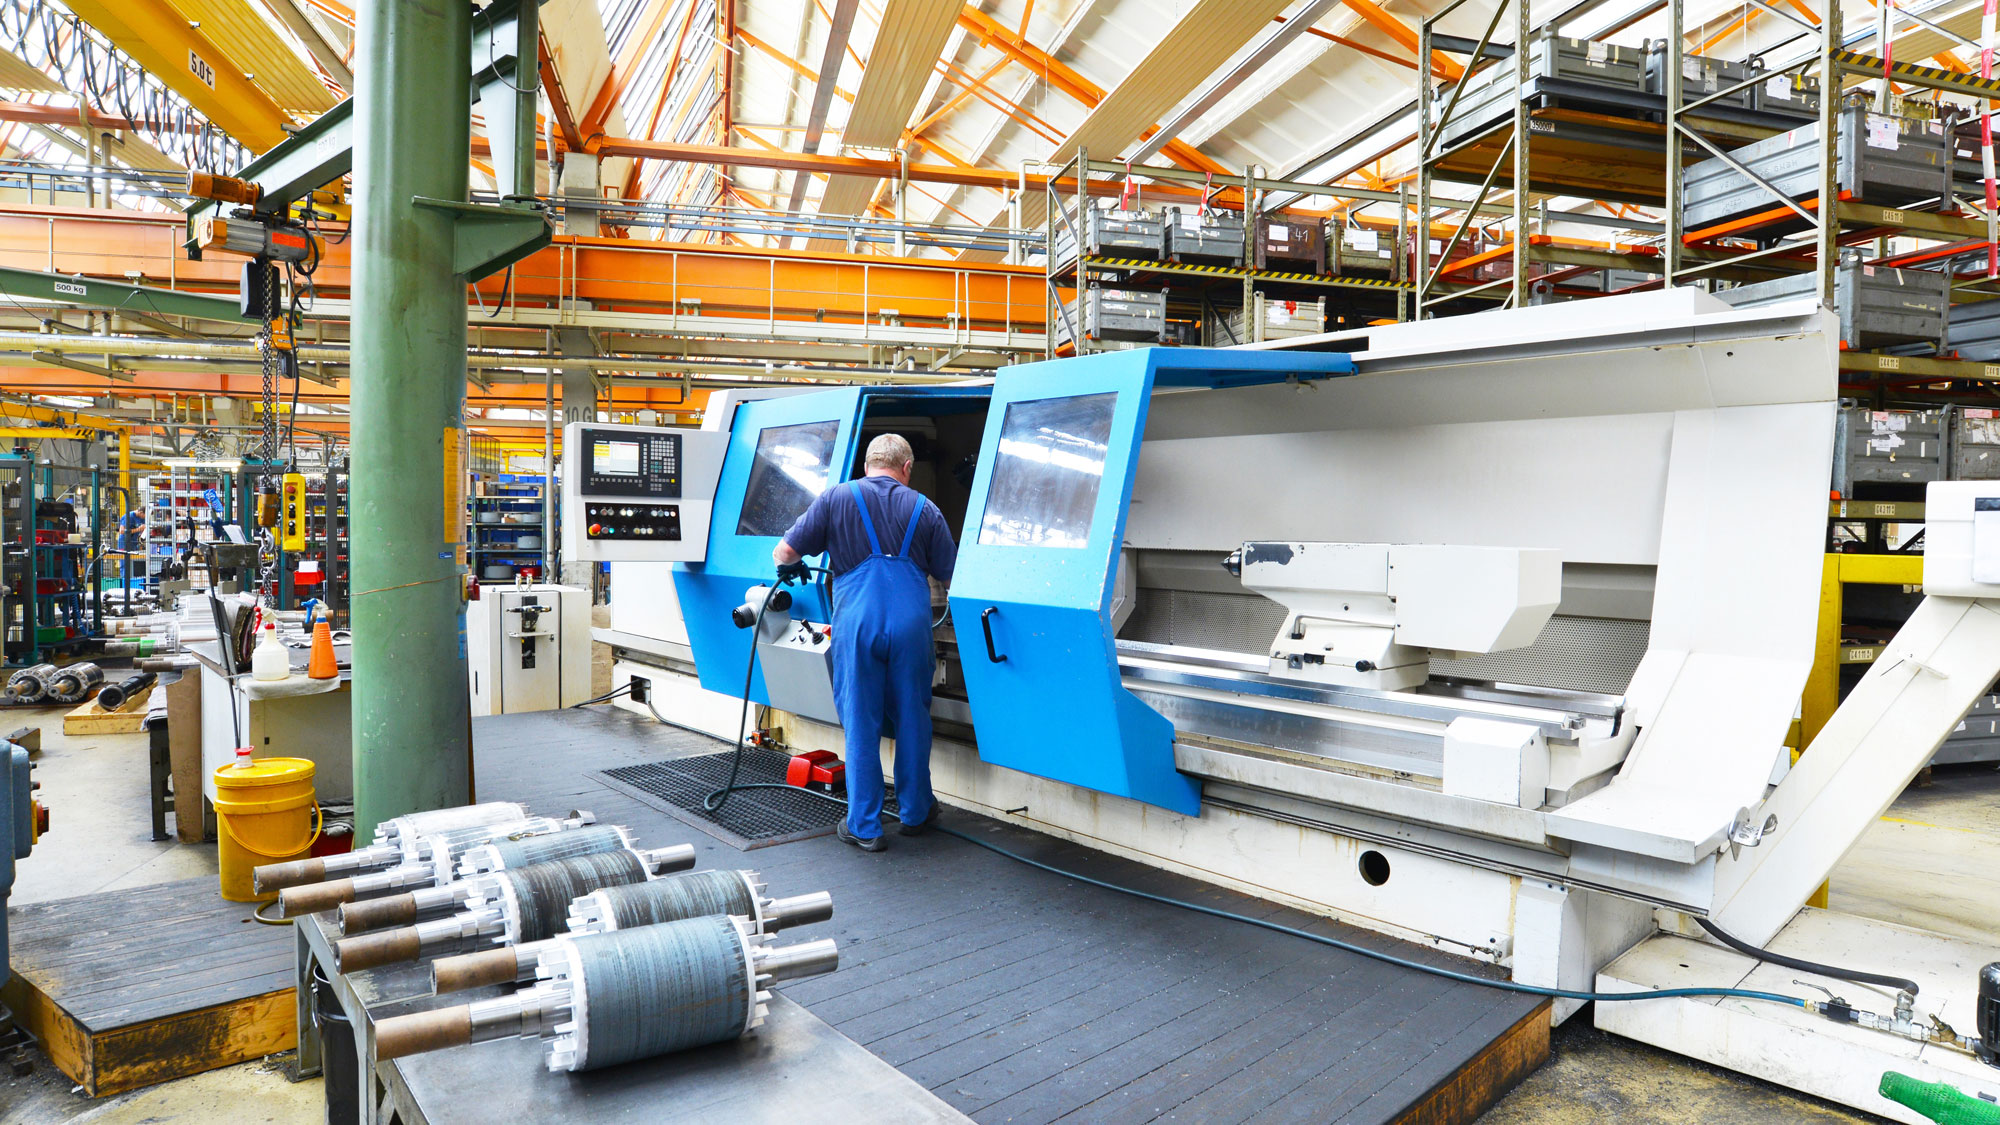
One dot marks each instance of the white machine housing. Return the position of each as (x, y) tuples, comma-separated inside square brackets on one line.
[(638, 493), (528, 647), (1370, 614)]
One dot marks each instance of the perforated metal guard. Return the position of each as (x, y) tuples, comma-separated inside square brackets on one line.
[(757, 819)]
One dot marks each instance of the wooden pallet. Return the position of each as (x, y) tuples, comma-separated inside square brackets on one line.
[(129, 988), (129, 718)]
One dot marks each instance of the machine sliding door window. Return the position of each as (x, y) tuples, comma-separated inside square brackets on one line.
[(1047, 472), (790, 472)]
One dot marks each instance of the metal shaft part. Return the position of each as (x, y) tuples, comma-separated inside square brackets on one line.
[(789, 962), (402, 910), (798, 910)]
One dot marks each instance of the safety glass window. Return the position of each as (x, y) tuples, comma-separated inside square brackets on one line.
[(1047, 473), (789, 473)]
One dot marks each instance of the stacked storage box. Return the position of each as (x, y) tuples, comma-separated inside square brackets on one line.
[(1289, 246), (1577, 72), (1268, 320), (1701, 77), (1115, 314), (1354, 252), (1888, 447), (1883, 160), (1878, 306), (1975, 443), (1974, 333), (1113, 234), (1205, 236)]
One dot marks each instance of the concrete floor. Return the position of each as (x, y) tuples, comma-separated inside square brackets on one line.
[(1920, 865)]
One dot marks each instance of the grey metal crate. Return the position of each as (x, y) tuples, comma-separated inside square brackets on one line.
[(1789, 95), (1115, 314), (1883, 160), (1700, 77), (1975, 443), (1878, 306), (1269, 319), (1113, 234), (1974, 332), (1977, 738), (1213, 236), (1888, 446), (1575, 70)]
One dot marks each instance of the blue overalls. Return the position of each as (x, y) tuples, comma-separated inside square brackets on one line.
[(882, 656)]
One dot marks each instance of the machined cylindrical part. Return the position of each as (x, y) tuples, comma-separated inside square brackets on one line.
[(311, 898), (72, 683), (692, 894), (297, 873), (113, 696), (443, 850), (525, 904), (402, 910), (789, 962), (630, 994), (798, 910), (30, 684), (524, 850), (438, 820)]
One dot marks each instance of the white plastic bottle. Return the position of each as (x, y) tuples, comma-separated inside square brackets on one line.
[(269, 660)]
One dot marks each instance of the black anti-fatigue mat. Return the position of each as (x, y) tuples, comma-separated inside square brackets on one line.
[(757, 819)]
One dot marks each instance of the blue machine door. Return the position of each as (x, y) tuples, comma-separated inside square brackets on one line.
[(783, 452), (1031, 597)]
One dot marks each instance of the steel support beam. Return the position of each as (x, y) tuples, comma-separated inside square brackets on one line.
[(837, 33), (1274, 41), (116, 296), (178, 54), (412, 724), (292, 13)]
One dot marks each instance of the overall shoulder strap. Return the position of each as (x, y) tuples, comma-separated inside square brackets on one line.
[(910, 532), (867, 521)]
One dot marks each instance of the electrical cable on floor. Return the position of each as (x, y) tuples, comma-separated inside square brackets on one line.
[(259, 915), (714, 801), (1804, 966), (606, 697)]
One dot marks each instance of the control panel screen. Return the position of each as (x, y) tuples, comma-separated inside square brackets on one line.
[(620, 463), (617, 458)]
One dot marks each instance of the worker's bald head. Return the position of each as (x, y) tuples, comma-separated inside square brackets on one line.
[(889, 454)]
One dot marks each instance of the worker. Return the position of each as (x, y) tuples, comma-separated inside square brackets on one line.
[(881, 538)]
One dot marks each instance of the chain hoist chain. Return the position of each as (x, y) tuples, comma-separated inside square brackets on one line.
[(269, 350)]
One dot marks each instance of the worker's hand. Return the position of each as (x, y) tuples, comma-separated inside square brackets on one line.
[(793, 572)]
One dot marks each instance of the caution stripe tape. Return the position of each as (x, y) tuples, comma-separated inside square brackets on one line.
[(1137, 264), (1924, 73)]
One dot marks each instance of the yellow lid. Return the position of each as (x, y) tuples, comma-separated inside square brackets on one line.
[(264, 771)]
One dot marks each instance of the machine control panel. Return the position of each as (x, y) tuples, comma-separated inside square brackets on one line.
[(639, 493), (633, 522), (630, 462)]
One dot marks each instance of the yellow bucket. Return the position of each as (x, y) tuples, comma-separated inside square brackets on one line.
[(264, 813)]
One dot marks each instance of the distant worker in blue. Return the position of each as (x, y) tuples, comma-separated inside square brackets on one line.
[(882, 648)]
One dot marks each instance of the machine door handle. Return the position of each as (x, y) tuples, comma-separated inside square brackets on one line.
[(986, 623)]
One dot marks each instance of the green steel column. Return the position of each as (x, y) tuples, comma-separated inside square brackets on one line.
[(412, 742)]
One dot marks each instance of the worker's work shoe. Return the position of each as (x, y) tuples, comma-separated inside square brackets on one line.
[(920, 827), (873, 844)]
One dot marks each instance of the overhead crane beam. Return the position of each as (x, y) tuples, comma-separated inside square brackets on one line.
[(995, 34), (178, 54)]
